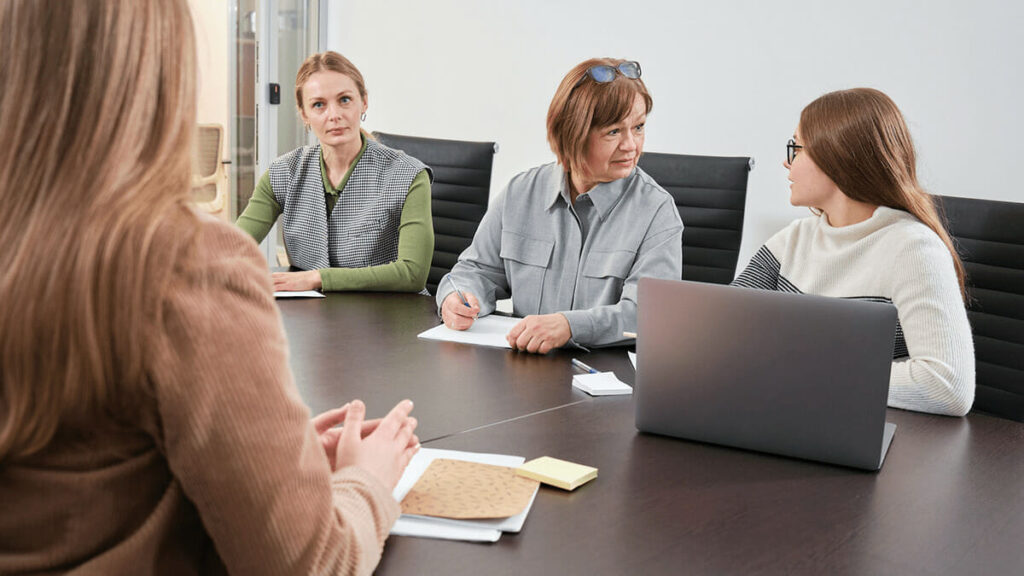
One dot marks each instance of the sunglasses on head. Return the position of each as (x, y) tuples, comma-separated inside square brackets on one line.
[(604, 74)]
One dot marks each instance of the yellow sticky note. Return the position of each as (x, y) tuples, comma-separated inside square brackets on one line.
[(558, 473)]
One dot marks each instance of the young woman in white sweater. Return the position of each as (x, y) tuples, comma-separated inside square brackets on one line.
[(875, 235)]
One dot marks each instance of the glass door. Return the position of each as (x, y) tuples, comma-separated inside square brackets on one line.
[(242, 102), (272, 38)]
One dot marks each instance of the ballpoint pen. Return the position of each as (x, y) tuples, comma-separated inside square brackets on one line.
[(459, 292), (583, 366)]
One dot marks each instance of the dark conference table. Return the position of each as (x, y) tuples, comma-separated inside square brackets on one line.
[(949, 499)]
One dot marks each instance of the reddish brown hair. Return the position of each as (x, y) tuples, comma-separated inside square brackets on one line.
[(859, 139), (581, 105)]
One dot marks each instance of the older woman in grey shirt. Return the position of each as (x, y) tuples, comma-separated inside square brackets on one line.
[(569, 240)]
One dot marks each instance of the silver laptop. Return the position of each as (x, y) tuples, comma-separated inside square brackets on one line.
[(790, 374)]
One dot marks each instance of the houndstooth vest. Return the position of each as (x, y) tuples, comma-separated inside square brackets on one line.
[(363, 227)]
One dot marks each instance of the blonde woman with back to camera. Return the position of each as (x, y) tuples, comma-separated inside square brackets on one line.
[(148, 419), (876, 235)]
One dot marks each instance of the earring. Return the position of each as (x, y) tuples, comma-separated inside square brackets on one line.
[(362, 118)]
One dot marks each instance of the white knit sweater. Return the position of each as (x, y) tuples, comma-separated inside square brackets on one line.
[(893, 257)]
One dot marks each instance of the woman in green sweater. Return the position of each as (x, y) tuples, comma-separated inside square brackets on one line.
[(355, 213)]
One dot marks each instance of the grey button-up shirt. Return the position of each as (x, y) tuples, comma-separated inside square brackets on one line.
[(583, 261)]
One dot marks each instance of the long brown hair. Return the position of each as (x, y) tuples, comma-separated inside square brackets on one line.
[(859, 139), (581, 105), (98, 115)]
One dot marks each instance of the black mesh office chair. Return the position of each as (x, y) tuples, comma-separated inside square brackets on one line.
[(989, 236), (459, 193), (711, 194)]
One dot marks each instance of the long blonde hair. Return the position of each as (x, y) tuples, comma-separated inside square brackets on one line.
[(97, 111), (859, 139)]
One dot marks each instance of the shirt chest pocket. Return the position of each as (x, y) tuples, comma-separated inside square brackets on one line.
[(609, 264), (605, 271), (526, 263)]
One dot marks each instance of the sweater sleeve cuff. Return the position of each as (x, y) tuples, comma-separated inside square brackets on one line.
[(379, 497)]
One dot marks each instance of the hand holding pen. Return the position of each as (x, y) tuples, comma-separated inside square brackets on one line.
[(459, 309)]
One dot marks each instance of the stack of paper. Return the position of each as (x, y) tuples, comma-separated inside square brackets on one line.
[(472, 530), (558, 473), (601, 384)]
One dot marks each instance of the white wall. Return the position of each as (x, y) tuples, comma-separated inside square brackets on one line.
[(728, 78), (211, 23)]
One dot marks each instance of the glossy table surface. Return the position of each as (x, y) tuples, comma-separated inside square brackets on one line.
[(364, 346), (949, 499)]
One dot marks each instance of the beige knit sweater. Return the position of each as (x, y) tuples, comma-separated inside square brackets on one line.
[(222, 468), (891, 257)]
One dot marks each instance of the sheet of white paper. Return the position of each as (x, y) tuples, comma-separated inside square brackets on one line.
[(429, 527), (423, 527), (601, 384), (632, 358), (299, 294), (485, 331)]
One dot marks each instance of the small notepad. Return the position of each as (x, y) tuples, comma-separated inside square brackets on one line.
[(601, 384), (558, 473)]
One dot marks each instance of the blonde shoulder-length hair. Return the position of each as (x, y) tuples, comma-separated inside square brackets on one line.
[(98, 113)]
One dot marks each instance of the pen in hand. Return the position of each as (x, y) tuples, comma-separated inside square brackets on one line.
[(583, 366), (459, 292)]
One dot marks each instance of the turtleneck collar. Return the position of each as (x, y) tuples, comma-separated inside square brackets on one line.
[(882, 217)]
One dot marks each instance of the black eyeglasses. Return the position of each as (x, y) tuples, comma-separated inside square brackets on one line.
[(604, 74), (791, 148)]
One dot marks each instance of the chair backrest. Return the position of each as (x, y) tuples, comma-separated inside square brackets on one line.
[(459, 192), (989, 236), (711, 195), (209, 179)]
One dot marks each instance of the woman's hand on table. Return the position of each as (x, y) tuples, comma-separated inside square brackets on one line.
[(297, 281), (540, 333)]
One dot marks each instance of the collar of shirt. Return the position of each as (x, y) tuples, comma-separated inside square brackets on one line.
[(334, 191), (604, 196)]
